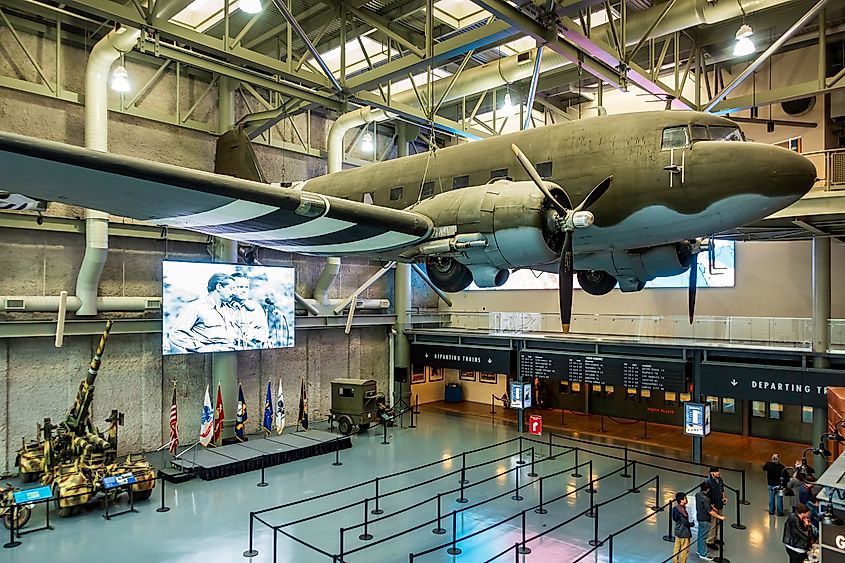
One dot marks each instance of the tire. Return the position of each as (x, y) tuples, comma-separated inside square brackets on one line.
[(23, 514), (142, 495), (344, 425), (363, 427), (596, 282), (449, 275)]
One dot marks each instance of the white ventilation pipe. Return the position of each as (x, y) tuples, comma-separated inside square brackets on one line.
[(337, 131), (105, 52), (684, 14), (51, 303)]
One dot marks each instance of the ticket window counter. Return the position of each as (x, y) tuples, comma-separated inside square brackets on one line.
[(569, 395), (791, 423)]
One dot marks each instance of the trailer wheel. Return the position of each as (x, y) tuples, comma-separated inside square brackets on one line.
[(344, 424)]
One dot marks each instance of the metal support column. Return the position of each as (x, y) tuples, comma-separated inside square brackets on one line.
[(697, 441), (224, 365), (402, 295), (821, 334)]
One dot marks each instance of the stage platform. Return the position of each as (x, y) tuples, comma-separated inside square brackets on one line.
[(215, 463)]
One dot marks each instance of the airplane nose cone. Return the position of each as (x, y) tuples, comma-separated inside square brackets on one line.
[(791, 174)]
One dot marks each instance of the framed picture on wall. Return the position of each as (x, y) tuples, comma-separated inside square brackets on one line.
[(488, 377), (435, 374), (418, 376), (467, 375)]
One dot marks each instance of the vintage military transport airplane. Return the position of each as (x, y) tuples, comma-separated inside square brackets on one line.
[(471, 212)]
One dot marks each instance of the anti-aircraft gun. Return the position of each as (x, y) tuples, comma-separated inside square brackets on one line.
[(74, 455)]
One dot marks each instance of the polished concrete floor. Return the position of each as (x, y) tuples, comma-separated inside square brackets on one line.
[(208, 521)]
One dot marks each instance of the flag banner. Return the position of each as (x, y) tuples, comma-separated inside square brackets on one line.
[(218, 415), (280, 410), (206, 420), (303, 406), (241, 415), (268, 411), (174, 424)]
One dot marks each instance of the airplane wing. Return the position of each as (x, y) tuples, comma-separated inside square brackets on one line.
[(286, 219)]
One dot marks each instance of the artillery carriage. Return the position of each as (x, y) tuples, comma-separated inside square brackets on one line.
[(74, 456)]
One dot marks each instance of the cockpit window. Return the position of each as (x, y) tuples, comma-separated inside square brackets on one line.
[(725, 133), (675, 137), (699, 133)]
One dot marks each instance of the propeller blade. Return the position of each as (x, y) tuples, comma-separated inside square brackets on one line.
[(565, 272), (535, 176), (693, 286), (595, 194)]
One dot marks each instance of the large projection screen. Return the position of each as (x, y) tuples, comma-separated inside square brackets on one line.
[(225, 307)]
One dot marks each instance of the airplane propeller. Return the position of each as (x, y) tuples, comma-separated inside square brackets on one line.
[(693, 286), (568, 220)]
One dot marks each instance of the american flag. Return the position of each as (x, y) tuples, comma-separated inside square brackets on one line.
[(174, 425)]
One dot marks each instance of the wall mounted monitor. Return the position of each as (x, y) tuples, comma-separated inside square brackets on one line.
[(213, 307)]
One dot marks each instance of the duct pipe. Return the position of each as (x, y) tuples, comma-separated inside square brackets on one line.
[(51, 303), (105, 52), (337, 131), (685, 14)]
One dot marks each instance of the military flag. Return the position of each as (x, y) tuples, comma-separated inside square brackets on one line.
[(206, 420), (218, 415), (280, 410), (174, 424), (267, 426), (303, 406), (241, 416)]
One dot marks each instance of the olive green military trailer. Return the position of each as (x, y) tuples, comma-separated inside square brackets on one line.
[(355, 401)]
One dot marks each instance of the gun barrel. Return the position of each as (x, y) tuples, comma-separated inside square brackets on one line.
[(94, 367)]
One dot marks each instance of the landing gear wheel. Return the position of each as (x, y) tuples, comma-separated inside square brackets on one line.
[(363, 427), (344, 424), (23, 513), (596, 282), (448, 274), (142, 495)]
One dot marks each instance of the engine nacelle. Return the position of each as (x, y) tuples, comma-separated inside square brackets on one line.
[(494, 227), (634, 268)]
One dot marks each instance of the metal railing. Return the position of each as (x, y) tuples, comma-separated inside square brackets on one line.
[(830, 165)]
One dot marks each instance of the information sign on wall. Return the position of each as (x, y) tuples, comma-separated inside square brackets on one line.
[(520, 394), (697, 419)]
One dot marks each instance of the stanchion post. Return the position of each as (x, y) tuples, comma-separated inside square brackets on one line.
[(337, 461), (463, 480), (657, 507), (551, 454), (377, 510), (250, 552), (602, 423), (540, 509), (576, 474), (462, 499), (492, 403), (12, 541), (595, 541), (610, 548), (669, 537), (523, 549), (366, 535), (742, 486), (161, 508), (454, 550), (633, 488), (262, 483), (439, 530), (624, 473), (412, 418), (721, 558), (645, 430), (532, 473), (738, 525), (592, 489), (417, 404), (342, 531), (516, 489), (520, 461), (384, 442), (516, 552)]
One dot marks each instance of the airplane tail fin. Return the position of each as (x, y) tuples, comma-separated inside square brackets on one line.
[(236, 157)]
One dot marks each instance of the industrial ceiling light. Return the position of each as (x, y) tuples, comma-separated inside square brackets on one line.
[(120, 79), (507, 107), (251, 6), (367, 142), (744, 45)]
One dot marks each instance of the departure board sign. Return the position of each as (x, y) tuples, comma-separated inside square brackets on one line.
[(496, 360), (641, 373)]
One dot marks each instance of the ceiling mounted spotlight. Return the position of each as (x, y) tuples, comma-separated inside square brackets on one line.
[(250, 6), (367, 142), (744, 45), (120, 79), (507, 107)]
